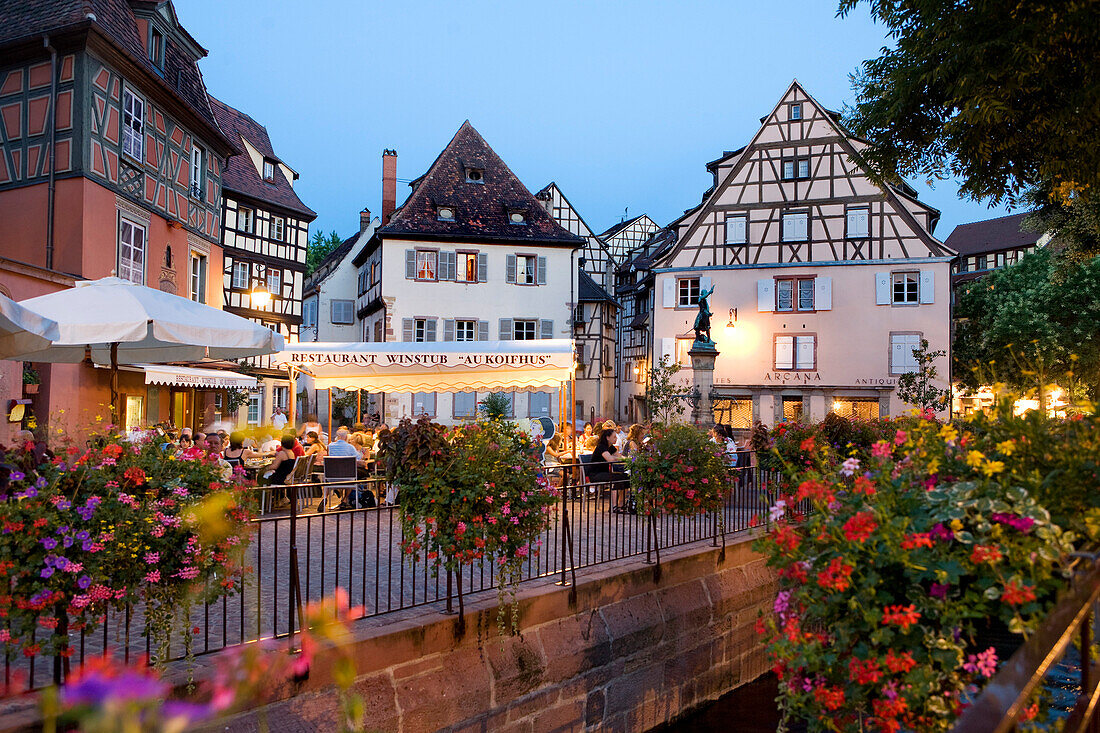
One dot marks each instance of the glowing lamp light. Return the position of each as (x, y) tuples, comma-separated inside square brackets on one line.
[(836, 406), (732, 322), (260, 296), (637, 370)]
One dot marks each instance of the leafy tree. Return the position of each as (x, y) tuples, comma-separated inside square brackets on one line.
[(999, 93), (664, 397), (494, 407), (1073, 221), (319, 248), (916, 388), (1031, 325)]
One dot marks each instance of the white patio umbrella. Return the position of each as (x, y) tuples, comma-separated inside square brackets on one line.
[(22, 330), (117, 322)]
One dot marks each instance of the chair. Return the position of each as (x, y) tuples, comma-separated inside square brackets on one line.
[(338, 468), (300, 475)]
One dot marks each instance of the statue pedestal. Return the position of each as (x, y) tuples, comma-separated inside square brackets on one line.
[(703, 355)]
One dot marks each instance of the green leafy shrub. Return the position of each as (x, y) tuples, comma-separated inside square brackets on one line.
[(680, 471)]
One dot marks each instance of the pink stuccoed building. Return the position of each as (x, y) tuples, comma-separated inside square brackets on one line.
[(828, 279)]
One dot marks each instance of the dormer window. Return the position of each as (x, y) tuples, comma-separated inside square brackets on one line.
[(156, 48), (475, 175), (269, 171), (445, 213), (517, 216)]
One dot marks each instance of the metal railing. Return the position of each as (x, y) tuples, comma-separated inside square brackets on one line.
[(1004, 701), (298, 555)]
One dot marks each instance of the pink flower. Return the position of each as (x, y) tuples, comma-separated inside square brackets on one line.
[(900, 437), (983, 663), (152, 558), (881, 449), (153, 577)]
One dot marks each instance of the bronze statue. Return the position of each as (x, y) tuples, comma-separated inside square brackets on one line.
[(702, 321)]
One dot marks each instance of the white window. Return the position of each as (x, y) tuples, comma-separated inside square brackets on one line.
[(794, 227), (466, 268), (281, 397), (255, 408), (687, 291), (906, 287), (857, 223), (131, 251), (902, 359), (269, 170), (794, 293), (524, 330), (427, 263), (538, 404), (424, 404), (796, 112), (465, 330), (736, 229), (795, 353), (197, 156), (240, 276), (803, 167), (788, 170), (465, 404), (278, 228), (198, 277), (343, 311), (274, 282), (526, 269), (133, 124), (309, 313), (245, 220)]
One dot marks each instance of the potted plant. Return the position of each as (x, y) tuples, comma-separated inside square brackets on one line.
[(31, 380)]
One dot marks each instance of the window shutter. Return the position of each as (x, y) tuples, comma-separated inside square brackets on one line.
[(736, 230), (510, 274), (805, 352), (668, 350), (547, 328), (784, 352), (704, 284), (410, 264), (927, 286), (800, 227), (823, 293), (429, 329), (482, 267), (406, 329), (882, 288), (482, 330), (765, 295), (442, 267), (540, 271), (580, 354), (448, 329), (506, 328), (669, 290)]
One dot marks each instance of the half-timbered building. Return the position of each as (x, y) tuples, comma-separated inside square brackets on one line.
[(823, 282), (625, 238), (111, 161), (594, 323), (471, 255), (265, 230)]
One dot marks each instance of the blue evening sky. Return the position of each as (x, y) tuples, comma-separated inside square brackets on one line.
[(621, 103)]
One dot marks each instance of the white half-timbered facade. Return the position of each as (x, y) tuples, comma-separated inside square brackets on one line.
[(824, 281), (265, 230)]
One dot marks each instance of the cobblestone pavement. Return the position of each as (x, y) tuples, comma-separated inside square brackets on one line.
[(360, 551)]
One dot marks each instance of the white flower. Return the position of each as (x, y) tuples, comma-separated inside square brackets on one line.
[(778, 511), (849, 466)]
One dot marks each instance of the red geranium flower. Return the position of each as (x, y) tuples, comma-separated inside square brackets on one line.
[(1017, 593), (903, 616), (859, 527)]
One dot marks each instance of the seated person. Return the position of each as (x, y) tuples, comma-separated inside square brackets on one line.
[(314, 446), (214, 449), (606, 467), (298, 449), (271, 444), (236, 454), (283, 464)]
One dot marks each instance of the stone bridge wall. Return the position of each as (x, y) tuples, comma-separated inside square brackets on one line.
[(629, 655)]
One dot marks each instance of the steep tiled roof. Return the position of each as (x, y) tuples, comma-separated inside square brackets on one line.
[(23, 18), (611, 232), (240, 174), (589, 291), (331, 262), (991, 235), (481, 209)]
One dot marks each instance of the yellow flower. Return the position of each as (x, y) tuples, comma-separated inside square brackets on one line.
[(1007, 447), (993, 467), (956, 524), (974, 458), (949, 433), (934, 465)]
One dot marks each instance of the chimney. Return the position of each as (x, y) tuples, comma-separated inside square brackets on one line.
[(364, 219), (389, 184)]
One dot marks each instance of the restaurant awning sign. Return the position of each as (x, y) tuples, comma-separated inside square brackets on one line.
[(195, 377), (458, 366)]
